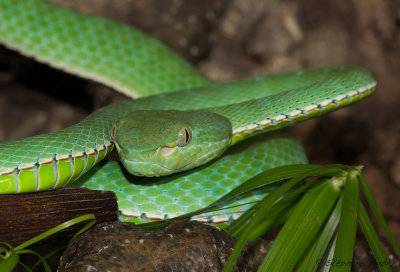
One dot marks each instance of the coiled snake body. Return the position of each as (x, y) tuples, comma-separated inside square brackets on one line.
[(180, 122)]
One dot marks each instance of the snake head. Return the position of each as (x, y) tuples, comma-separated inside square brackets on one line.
[(162, 142)]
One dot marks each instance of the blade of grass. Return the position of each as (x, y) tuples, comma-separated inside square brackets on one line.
[(54, 250), (58, 228), (288, 199), (8, 257), (237, 226), (266, 177), (374, 208), (243, 219), (24, 266), (271, 222), (346, 235), (301, 228), (327, 264), (279, 213), (373, 239), (312, 260), (281, 173), (42, 260), (266, 205)]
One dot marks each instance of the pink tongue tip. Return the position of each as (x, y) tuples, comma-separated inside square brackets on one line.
[(166, 149)]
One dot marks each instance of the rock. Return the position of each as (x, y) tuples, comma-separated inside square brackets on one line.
[(182, 246)]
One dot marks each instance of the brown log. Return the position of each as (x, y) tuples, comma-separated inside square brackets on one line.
[(23, 216)]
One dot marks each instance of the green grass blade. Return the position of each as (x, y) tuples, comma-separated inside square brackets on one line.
[(42, 260), (239, 224), (327, 265), (373, 239), (348, 223), (301, 228), (271, 222), (58, 228), (311, 261), (281, 173), (265, 207), (374, 208), (267, 204), (24, 266), (279, 213), (8, 257), (90, 217), (54, 250), (266, 177)]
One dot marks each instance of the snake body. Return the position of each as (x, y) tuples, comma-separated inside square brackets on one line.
[(137, 65)]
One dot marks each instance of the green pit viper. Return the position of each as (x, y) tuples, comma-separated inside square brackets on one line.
[(174, 137)]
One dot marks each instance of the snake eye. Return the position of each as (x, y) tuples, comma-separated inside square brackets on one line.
[(184, 136), (113, 132)]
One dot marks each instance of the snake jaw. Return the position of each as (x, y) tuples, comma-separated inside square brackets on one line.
[(163, 151), (156, 162), (149, 169), (166, 149)]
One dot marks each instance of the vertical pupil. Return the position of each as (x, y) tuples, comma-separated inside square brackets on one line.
[(187, 135)]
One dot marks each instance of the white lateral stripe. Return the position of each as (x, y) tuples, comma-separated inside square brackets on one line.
[(78, 155), (239, 130), (46, 161), (265, 122), (91, 152), (294, 113), (340, 97), (220, 219), (251, 127), (279, 118), (326, 103), (352, 93), (310, 108), (130, 214), (154, 216), (25, 166), (62, 157), (7, 172)]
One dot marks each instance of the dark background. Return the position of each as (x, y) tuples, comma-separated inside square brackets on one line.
[(232, 39)]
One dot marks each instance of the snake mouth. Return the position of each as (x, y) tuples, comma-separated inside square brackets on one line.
[(166, 149), (149, 169)]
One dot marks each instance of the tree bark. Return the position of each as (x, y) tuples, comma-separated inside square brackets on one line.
[(23, 216)]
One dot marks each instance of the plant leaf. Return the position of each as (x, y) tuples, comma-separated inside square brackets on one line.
[(42, 260), (347, 230), (58, 228), (301, 228), (314, 256), (373, 239), (8, 258), (374, 207)]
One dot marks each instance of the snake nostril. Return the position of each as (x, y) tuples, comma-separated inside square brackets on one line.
[(166, 149)]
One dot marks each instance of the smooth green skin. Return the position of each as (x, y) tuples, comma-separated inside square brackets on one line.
[(137, 65)]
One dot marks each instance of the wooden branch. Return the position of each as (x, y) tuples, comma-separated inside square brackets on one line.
[(23, 216)]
